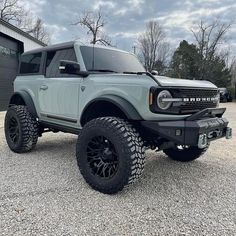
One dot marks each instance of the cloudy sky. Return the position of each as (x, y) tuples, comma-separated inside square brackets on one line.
[(127, 18)]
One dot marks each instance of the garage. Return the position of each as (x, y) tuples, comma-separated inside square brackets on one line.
[(13, 42), (10, 50)]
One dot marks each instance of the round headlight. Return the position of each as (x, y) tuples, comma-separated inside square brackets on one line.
[(161, 100)]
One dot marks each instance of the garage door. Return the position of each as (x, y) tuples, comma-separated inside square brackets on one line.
[(8, 69)]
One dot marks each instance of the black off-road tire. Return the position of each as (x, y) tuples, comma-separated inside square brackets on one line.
[(26, 129), (185, 154), (129, 149)]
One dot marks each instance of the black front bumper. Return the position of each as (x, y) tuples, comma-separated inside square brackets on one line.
[(208, 122)]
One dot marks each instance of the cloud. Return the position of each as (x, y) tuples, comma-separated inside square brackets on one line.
[(126, 34), (105, 4), (127, 18), (136, 4), (121, 12), (55, 31), (34, 6)]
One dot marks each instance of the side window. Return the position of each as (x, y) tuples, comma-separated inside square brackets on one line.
[(53, 61), (30, 63)]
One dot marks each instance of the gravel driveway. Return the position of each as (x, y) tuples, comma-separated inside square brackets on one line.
[(43, 193)]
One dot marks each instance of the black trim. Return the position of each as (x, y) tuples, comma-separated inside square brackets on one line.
[(43, 62), (178, 107), (184, 87), (189, 130), (60, 118), (27, 100), (57, 127), (209, 112), (153, 78), (127, 108)]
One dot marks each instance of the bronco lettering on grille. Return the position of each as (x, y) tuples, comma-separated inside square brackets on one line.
[(200, 99)]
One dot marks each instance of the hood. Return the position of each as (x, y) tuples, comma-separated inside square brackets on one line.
[(170, 82)]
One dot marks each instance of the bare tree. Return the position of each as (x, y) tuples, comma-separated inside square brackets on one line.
[(37, 29), (11, 11), (208, 37), (94, 22), (152, 45)]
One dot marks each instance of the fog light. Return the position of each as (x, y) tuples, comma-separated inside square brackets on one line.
[(178, 132)]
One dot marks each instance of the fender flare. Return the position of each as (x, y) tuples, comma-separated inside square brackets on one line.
[(126, 107), (25, 96)]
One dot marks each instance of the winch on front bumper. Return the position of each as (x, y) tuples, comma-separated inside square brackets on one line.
[(197, 130)]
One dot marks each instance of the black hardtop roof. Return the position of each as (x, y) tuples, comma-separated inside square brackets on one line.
[(52, 47), (69, 45)]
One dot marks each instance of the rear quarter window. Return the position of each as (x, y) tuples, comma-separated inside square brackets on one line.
[(30, 63)]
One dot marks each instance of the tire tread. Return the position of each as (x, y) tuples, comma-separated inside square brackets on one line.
[(133, 149), (29, 129)]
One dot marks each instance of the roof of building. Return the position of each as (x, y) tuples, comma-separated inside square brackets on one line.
[(19, 31)]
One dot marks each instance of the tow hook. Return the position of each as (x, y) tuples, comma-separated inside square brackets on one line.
[(228, 133), (202, 141)]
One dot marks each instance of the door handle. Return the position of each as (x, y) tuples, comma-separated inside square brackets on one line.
[(44, 87)]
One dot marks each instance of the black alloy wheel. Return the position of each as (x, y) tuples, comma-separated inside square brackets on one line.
[(102, 157), (21, 129), (14, 130)]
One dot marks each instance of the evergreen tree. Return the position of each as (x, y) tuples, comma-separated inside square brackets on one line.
[(184, 63), (187, 63)]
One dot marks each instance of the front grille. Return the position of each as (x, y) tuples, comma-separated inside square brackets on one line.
[(198, 93), (189, 100), (194, 106), (191, 106)]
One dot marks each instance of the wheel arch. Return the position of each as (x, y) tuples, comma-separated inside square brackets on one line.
[(126, 109), (23, 98)]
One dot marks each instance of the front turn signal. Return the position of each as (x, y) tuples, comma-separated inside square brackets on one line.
[(150, 98)]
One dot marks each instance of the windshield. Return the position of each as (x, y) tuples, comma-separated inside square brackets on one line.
[(110, 60)]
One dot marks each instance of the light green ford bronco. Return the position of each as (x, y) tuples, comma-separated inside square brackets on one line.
[(117, 109)]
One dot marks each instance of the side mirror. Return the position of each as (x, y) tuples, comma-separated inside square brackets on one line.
[(69, 67), (154, 72)]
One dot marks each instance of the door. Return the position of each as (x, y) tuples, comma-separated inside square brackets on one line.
[(8, 69), (59, 93)]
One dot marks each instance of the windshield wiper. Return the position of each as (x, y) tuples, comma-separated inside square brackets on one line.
[(103, 70)]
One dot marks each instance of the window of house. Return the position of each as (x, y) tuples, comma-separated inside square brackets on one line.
[(8, 52)]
